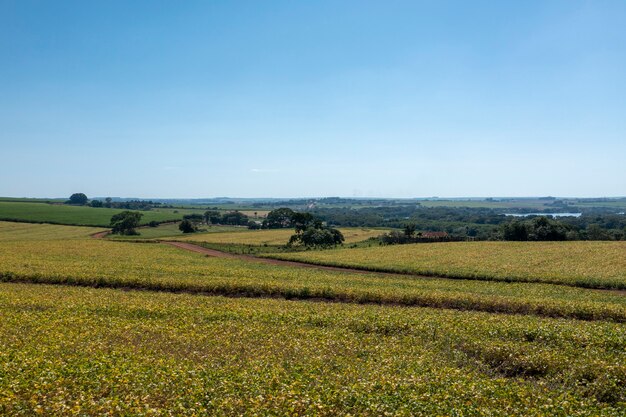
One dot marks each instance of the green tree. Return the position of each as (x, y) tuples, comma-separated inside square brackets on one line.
[(317, 237), (235, 218), (311, 232), (212, 217), (126, 222), (279, 218), (186, 226), (409, 230), (515, 230), (595, 232), (77, 199)]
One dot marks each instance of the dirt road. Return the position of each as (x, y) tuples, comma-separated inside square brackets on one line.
[(268, 261)]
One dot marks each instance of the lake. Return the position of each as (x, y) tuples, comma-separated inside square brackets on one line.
[(544, 214)]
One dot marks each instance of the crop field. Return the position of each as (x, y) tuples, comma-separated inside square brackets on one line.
[(159, 267), (10, 231), (219, 336), (584, 264), (71, 215), (276, 236), (78, 351)]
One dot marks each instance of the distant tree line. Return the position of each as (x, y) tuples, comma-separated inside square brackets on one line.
[(230, 218), (477, 223), (80, 199), (143, 205)]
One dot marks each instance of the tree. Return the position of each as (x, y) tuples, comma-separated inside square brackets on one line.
[(77, 199), (235, 218), (252, 225), (595, 232), (279, 218), (212, 217), (194, 218), (542, 228), (311, 232), (186, 226), (302, 221), (124, 223), (537, 229), (95, 203), (409, 230), (107, 202), (317, 237), (515, 230)]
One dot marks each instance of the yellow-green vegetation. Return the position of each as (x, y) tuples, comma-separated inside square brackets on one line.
[(276, 236), (170, 230), (78, 351), (10, 231), (71, 215), (583, 264), (156, 266), (385, 345)]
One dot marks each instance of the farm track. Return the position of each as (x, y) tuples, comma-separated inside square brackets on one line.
[(219, 254), (279, 262)]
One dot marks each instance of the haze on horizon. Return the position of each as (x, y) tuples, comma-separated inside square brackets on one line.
[(292, 99)]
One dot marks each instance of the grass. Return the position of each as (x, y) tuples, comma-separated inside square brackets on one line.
[(76, 351), (71, 215), (102, 263), (583, 264), (10, 231), (276, 237)]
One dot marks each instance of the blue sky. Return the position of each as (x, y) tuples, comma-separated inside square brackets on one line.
[(316, 98)]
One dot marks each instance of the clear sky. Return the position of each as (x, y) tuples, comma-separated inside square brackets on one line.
[(312, 98)]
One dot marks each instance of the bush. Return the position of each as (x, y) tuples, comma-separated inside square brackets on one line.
[(186, 226)]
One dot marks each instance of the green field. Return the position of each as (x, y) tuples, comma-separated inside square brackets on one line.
[(10, 232), (255, 339), (583, 263), (72, 215)]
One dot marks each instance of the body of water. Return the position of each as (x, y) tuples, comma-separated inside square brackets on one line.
[(544, 214)]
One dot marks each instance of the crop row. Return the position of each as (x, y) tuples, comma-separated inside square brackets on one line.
[(582, 264), (158, 267), (11, 231), (77, 351)]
